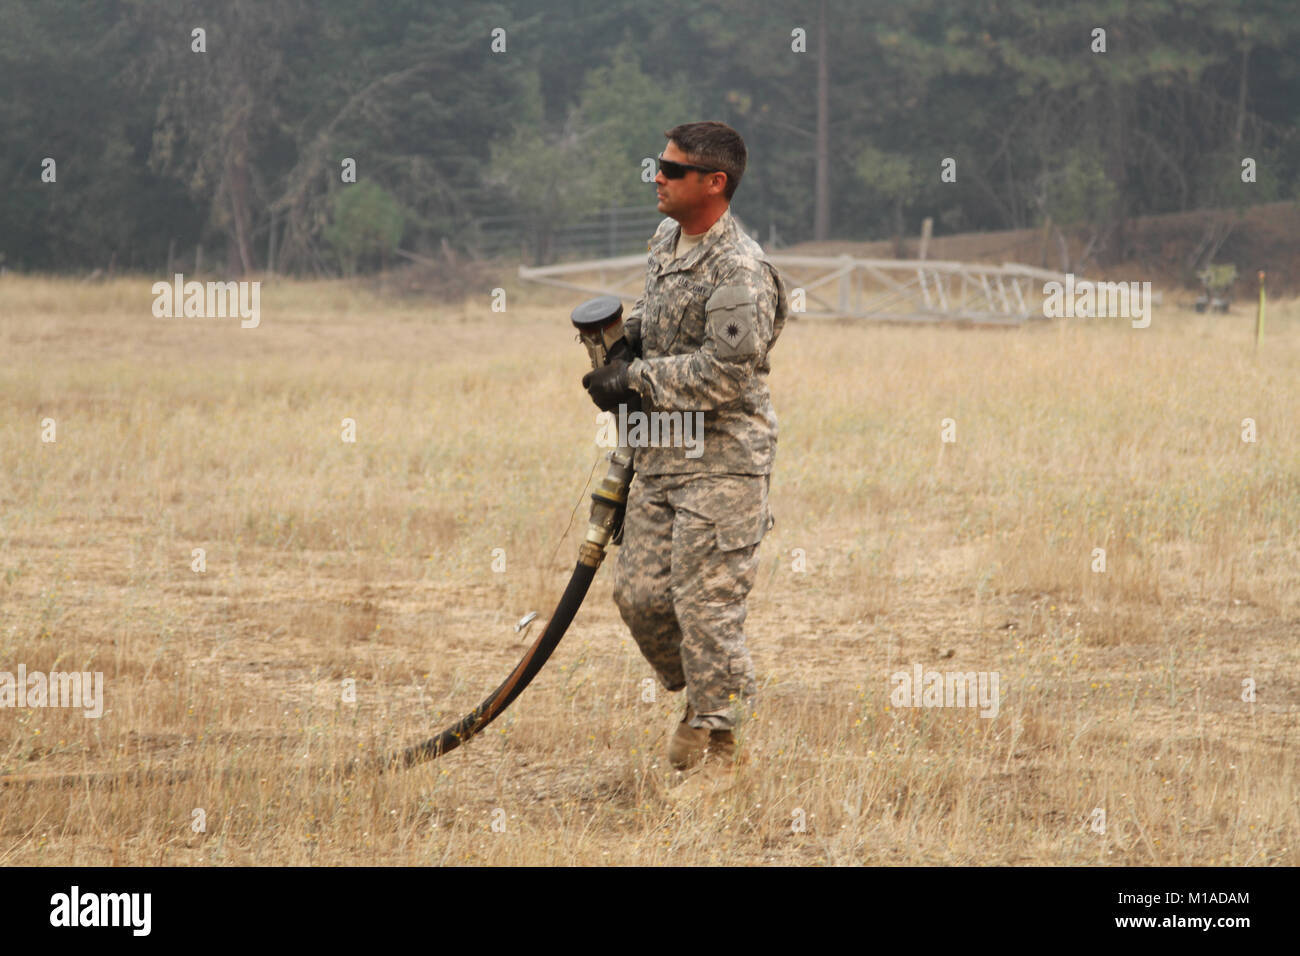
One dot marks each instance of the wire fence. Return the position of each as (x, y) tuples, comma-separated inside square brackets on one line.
[(614, 231)]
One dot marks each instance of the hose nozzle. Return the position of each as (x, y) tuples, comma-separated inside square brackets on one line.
[(599, 322)]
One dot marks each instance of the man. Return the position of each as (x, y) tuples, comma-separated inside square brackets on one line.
[(712, 308)]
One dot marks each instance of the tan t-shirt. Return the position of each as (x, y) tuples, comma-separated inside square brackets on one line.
[(686, 243)]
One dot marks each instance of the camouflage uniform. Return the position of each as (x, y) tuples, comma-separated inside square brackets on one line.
[(690, 549)]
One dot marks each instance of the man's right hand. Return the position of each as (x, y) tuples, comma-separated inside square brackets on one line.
[(609, 386)]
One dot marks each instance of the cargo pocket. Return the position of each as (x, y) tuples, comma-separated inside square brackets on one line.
[(740, 531)]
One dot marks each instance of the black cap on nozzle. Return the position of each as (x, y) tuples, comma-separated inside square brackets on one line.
[(597, 313), (599, 322)]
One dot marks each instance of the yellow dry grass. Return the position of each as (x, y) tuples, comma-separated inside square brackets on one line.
[(372, 562)]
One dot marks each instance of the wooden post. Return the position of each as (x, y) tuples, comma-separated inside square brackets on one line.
[(927, 229), (1259, 316), (270, 244)]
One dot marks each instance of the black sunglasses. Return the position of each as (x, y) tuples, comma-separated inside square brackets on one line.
[(673, 170)]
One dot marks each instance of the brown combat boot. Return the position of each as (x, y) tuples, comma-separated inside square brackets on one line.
[(717, 771), (688, 743), (722, 746)]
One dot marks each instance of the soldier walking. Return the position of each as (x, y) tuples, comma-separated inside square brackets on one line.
[(712, 309)]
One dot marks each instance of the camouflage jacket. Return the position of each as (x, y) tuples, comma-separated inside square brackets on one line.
[(705, 324)]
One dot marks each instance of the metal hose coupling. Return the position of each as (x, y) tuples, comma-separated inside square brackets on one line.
[(608, 506)]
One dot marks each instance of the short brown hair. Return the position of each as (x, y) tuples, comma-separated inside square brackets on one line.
[(715, 145)]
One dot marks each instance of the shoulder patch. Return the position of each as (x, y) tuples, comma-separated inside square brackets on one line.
[(732, 311)]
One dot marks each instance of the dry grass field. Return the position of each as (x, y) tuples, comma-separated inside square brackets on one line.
[(372, 562)]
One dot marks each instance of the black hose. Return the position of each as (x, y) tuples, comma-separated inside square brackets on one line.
[(511, 687)]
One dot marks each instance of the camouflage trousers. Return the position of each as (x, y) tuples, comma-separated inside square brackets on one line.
[(688, 561)]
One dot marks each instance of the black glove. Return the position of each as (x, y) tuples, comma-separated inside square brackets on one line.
[(609, 386)]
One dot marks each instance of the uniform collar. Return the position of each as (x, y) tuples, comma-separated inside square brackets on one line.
[(665, 248)]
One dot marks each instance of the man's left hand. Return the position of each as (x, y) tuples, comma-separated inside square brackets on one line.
[(609, 386)]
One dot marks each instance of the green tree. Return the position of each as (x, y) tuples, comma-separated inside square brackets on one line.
[(891, 177), (367, 224), (552, 176), (627, 113)]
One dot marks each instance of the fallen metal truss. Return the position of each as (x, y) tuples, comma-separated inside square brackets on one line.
[(895, 290)]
